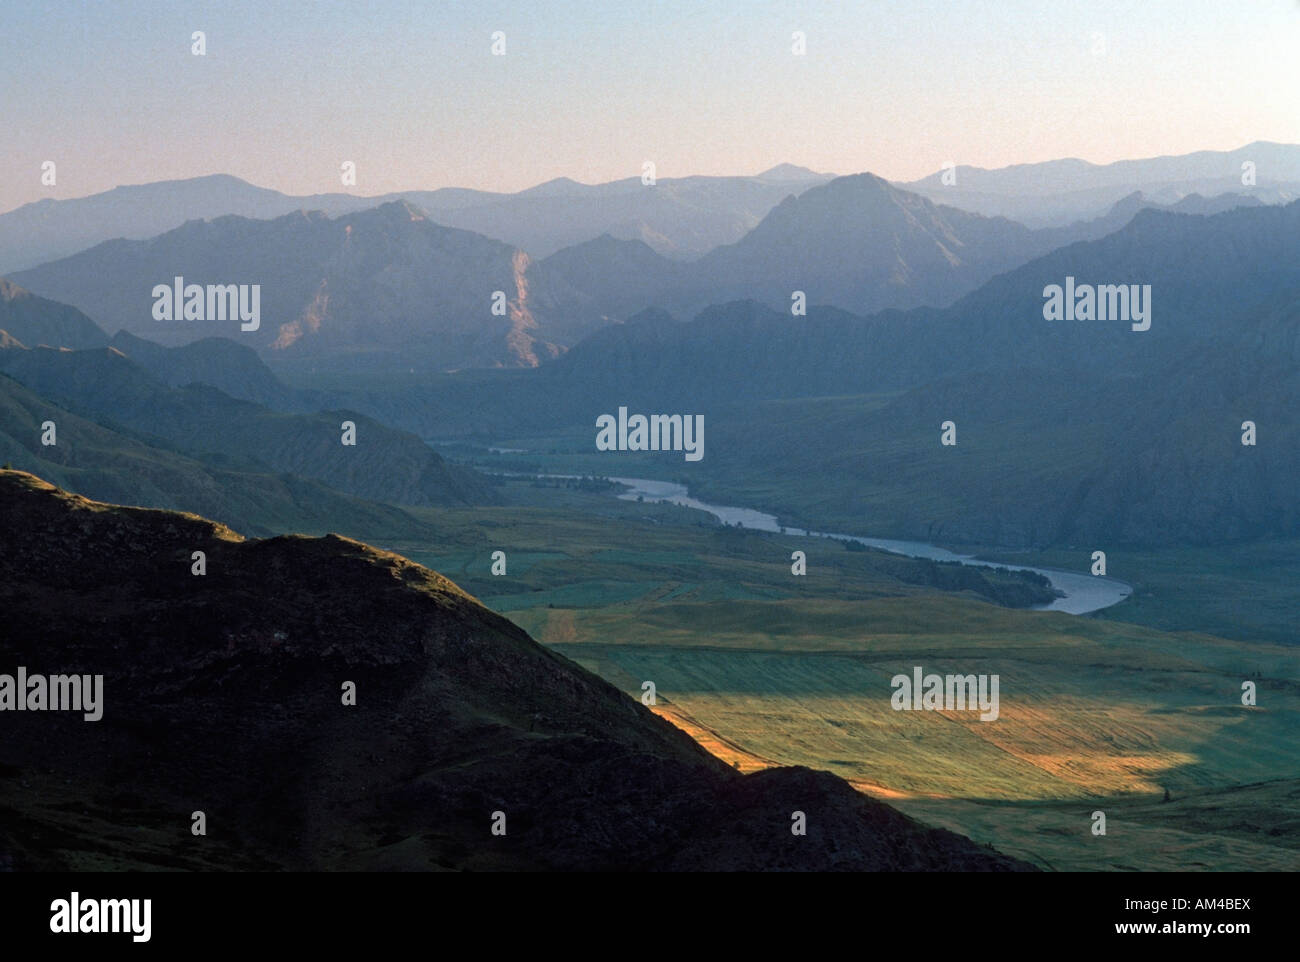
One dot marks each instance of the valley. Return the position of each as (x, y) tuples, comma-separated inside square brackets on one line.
[(765, 668), (912, 478)]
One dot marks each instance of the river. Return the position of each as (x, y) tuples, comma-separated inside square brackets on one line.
[(1081, 592)]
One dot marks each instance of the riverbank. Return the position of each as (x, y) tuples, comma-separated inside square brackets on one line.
[(1080, 592)]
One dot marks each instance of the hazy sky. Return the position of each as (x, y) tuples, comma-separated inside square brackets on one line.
[(413, 95)]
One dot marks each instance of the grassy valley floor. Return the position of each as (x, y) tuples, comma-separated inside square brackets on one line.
[(765, 667)]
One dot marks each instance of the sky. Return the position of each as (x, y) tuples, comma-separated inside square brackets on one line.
[(412, 94)]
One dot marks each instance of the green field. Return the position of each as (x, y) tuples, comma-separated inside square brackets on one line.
[(1242, 828), (1087, 708), (767, 668)]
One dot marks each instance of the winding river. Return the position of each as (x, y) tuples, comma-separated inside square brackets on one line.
[(1081, 592)]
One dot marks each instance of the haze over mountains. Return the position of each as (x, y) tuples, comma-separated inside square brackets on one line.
[(680, 217), (859, 243), (1198, 267), (1056, 192), (385, 280), (1224, 279), (1058, 414), (389, 288), (36, 320)]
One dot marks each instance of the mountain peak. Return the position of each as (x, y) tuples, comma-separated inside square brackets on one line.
[(788, 172), (651, 317), (860, 182), (400, 209), (1129, 203), (606, 244), (556, 187), (207, 180)]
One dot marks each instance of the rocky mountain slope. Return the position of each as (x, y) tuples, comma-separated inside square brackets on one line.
[(386, 282), (383, 465), (222, 694), (113, 464), (33, 320)]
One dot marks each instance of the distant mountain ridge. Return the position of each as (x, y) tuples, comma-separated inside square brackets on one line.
[(859, 243), (382, 280), (681, 217), (388, 288), (1056, 192)]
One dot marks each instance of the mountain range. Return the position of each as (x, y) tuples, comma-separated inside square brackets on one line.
[(1076, 431), (388, 289), (1057, 192), (679, 217), (1222, 287), (223, 690)]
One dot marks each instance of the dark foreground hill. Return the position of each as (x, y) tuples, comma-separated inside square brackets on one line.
[(222, 694)]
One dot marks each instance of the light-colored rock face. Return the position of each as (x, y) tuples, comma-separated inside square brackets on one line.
[(386, 281)]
